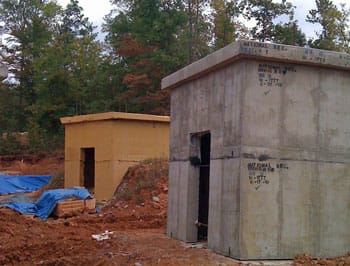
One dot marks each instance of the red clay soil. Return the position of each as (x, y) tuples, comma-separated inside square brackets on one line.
[(306, 259), (136, 216), (39, 164), (137, 222)]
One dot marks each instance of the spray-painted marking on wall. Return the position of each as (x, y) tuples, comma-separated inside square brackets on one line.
[(280, 47), (304, 54), (269, 80), (316, 56), (269, 74), (258, 179), (264, 167), (282, 166), (275, 69), (256, 44), (258, 172), (255, 48)]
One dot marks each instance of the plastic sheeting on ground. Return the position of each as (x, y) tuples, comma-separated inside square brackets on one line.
[(44, 206), (15, 199), (24, 183)]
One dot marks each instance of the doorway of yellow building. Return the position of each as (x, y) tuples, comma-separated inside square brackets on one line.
[(88, 169)]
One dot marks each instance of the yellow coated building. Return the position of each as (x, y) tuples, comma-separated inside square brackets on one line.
[(99, 148)]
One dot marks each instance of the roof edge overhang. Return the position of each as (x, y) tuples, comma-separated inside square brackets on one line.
[(257, 50), (113, 116)]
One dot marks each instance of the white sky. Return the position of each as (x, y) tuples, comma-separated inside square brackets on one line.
[(95, 10)]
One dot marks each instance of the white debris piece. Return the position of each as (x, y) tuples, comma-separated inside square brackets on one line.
[(103, 236), (155, 199)]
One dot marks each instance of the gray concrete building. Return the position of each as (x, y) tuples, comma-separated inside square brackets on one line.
[(260, 151)]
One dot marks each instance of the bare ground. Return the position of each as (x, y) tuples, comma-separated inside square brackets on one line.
[(136, 221)]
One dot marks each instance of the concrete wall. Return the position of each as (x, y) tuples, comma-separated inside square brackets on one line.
[(303, 124), (197, 108), (280, 151), (118, 143)]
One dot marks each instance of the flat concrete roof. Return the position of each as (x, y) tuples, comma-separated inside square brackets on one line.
[(257, 50), (113, 116)]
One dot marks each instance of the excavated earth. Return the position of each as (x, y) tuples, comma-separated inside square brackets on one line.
[(134, 222)]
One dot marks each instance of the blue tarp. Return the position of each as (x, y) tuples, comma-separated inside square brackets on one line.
[(15, 199), (25, 183), (44, 206)]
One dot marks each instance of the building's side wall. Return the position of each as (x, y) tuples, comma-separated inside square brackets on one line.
[(296, 119), (118, 145), (135, 141), (139, 140), (96, 135), (207, 104)]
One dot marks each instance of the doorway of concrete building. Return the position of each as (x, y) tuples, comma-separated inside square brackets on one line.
[(88, 168), (203, 201)]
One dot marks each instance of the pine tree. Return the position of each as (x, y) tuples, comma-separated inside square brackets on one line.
[(144, 37), (265, 12), (289, 33), (334, 21), (224, 30)]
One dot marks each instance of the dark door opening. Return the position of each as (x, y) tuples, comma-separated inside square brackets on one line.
[(89, 168), (204, 170)]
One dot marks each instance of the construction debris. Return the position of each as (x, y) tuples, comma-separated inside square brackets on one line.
[(73, 206), (47, 202), (103, 236)]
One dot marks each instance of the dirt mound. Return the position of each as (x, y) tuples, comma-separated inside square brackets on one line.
[(142, 197)]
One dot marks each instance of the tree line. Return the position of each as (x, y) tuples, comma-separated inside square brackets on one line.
[(59, 68)]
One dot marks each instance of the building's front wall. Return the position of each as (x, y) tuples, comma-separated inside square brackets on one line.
[(97, 135), (293, 118), (118, 145), (207, 104)]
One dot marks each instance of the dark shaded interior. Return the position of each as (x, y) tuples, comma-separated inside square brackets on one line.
[(204, 169), (89, 168)]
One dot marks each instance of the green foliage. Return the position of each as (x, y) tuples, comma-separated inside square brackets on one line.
[(265, 12), (289, 33), (61, 70), (53, 55), (224, 29), (196, 35), (30, 24), (11, 111), (145, 41), (335, 28), (9, 145)]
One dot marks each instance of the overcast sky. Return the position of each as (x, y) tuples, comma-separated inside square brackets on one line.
[(95, 10)]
